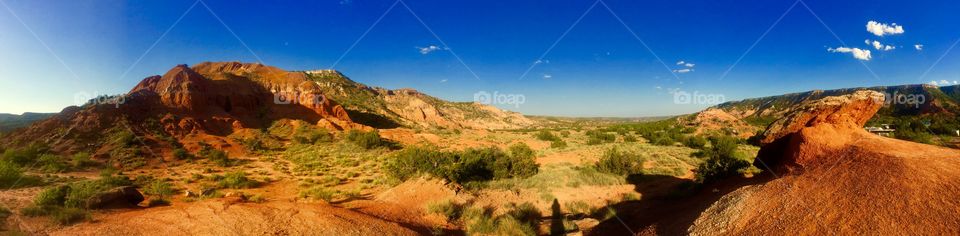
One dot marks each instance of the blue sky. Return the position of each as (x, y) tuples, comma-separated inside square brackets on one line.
[(85, 47)]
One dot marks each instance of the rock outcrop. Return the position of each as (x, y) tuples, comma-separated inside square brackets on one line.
[(792, 140), (832, 177)]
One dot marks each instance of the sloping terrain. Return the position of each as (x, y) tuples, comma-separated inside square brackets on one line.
[(836, 178), (9, 122), (936, 100), (222, 217), (384, 108)]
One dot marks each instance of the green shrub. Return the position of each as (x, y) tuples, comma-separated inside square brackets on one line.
[(521, 163), (159, 188), (595, 137), (722, 160), (629, 138), (80, 192), (82, 160), (619, 162), (309, 134), (318, 193), (450, 209), (237, 180), (25, 156), (216, 156), (368, 140), (695, 142), (69, 215), (51, 163), (181, 154), (10, 173), (558, 144), (475, 164), (54, 196), (545, 135)]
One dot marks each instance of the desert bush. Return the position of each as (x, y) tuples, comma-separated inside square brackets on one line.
[(722, 160), (181, 154), (82, 160), (475, 164), (69, 215), (10, 173), (521, 219), (521, 163), (448, 208), (695, 142), (216, 156), (310, 134), (616, 161), (160, 188), (318, 193), (629, 138), (51, 163), (368, 140), (595, 137), (558, 144), (545, 135), (26, 155), (236, 180)]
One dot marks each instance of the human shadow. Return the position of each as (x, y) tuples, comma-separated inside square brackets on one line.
[(668, 205)]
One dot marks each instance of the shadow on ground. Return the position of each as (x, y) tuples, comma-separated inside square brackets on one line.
[(668, 206)]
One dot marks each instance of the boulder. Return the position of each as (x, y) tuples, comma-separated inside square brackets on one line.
[(127, 196)]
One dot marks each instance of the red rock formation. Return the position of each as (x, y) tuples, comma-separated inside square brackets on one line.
[(834, 178), (790, 141)]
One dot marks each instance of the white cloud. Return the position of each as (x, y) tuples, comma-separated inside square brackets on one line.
[(879, 46), (658, 87), (919, 47), (428, 49), (547, 76), (860, 54), (681, 63), (542, 62), (681, 71), (942, 82), (881, 29), (686, 64), (443, 81)]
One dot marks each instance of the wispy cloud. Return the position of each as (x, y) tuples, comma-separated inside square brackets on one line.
[(881, 29), (541, 62), (919, 47), (547, 76), (432, 48), (687, 67), (443, 81), (860, 54)]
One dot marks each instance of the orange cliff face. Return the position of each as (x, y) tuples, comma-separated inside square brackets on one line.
[(216, 97), (208, 99)]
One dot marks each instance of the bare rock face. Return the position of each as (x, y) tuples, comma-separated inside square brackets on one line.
[(834, 178), (783, 143), (218, 97)]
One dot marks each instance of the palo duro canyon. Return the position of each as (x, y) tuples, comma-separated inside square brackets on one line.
[(407, 117)]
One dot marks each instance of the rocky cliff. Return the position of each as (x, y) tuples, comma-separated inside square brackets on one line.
[(832, 177)]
